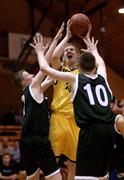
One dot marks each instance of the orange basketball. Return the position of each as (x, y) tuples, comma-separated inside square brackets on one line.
[(80, 24)]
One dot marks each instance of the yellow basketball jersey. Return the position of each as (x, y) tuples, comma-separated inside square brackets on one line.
[(62, 96)]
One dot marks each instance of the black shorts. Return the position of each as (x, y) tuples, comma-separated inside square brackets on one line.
[(94, 151), (118, 155), (36, 153)]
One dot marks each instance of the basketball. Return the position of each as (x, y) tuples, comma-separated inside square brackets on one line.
[(80, 24)]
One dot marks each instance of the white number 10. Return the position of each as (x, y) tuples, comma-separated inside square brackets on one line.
[(98, 88)]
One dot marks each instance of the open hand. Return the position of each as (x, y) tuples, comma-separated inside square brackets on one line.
[(38, 43)]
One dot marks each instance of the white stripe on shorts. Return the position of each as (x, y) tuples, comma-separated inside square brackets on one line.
[(34, 174), (52, 174)]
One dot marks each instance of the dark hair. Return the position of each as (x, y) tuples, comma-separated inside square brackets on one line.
[(87, 61), (18, 76)]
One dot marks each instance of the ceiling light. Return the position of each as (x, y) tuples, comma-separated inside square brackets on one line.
[(121, 10), (102, 29)]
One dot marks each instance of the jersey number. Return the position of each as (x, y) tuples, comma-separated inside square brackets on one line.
[(98, 89)]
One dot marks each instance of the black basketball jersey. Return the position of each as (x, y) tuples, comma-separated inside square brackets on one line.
[(36, 117), (92, 101)]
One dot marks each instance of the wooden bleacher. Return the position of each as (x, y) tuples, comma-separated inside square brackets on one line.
[(12, 132)]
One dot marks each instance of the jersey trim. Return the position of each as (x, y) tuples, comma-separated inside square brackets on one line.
[(37, 100), (106, 83), (23, 101), (93, 76), (108, 87)]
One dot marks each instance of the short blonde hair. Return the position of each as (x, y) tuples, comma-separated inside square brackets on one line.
[(18, 77)]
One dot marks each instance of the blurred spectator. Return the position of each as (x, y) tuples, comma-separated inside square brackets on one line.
[(16, 152), (7, 168), (5, 147)]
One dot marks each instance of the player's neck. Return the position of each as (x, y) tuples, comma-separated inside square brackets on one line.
[(90, 73)]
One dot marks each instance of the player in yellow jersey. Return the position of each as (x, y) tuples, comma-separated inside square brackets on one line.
[(63, 129)]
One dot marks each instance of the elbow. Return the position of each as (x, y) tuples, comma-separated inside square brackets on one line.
[(43, 70)]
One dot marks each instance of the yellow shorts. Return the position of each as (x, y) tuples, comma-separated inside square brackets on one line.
[(64, 136)]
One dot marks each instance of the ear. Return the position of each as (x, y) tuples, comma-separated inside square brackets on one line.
[(22, 83), (97, 65)]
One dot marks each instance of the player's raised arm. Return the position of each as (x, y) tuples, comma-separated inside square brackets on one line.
[(37, 80), (46, 69), (56, 62), (53, 45), (92, 47)]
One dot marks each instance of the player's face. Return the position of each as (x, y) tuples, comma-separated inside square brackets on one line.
[(70, 54), (27, 78)]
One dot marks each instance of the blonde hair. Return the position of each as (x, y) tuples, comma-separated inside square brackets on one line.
[(18, 77)]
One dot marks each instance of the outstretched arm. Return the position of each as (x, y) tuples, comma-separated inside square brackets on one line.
[(56, 62), (35, 86), (36, 83), (46, 69), (92, 47), (53, 45)]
